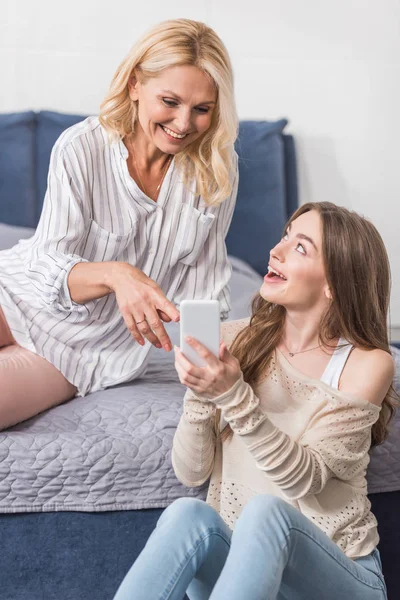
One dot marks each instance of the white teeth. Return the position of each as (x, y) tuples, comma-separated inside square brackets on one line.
[(173, 134), (270, 269)]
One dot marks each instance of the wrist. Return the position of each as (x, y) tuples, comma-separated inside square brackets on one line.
[(113, 273), (228, 395)]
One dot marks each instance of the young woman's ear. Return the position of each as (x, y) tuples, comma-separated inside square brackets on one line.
[(327, 292), (133, 87)]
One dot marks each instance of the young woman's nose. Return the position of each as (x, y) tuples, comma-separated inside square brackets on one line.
[(278, 253)]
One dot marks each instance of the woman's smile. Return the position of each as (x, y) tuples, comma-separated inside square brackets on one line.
[(172, 135)]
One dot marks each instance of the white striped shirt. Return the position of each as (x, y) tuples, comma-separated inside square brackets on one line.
[(94, 211)]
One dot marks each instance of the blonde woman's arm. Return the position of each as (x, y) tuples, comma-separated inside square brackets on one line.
[(67, 282)]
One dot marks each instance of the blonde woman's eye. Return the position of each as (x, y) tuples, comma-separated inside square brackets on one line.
[(169, 103), (202, 110), (301, 249)]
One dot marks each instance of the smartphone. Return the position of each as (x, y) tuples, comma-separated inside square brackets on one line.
[(200, 319)]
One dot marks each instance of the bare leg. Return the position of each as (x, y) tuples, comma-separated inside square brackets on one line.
[(6, 338), (29, 384)]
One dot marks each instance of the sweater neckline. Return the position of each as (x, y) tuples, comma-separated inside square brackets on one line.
[(288, 367)]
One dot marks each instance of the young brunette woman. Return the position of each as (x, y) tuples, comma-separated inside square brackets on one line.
[(282, 424)]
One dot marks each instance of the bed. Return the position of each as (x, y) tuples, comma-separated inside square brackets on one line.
[(82, 485)]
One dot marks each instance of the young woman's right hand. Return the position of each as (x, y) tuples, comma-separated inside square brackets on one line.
[(143, 305)]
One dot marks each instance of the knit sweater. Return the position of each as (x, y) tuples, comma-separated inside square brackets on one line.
[(294, 437)]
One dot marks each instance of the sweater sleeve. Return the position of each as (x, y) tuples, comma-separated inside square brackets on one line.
[(335, 444), (60, 237), (193, 448)]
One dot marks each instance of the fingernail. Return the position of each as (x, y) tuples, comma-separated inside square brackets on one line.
[(158, 346), (189, 339), (167, 347)]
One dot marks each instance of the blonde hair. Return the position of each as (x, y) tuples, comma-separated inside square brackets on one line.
[(209, 160), (358, 274)]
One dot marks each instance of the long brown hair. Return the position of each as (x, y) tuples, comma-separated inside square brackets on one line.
[(358, 274)]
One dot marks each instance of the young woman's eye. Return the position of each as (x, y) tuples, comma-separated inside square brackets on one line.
[(169, 103), (300, 248), (285, 236)]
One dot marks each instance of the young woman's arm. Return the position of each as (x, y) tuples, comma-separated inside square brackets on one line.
[(367, 374), (336, 443), (194, 444), (193, 449), (337, 439)]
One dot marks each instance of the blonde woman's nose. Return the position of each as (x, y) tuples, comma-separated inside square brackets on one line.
[(183, 121)]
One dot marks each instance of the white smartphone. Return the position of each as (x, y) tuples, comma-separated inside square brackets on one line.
[(200, 319)]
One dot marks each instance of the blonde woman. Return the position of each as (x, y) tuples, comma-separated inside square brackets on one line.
[(282, 422), (138, 205)]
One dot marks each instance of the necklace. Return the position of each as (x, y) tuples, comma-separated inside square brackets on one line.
[(291, 354), (138, 172)]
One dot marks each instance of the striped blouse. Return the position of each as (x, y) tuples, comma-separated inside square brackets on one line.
[(94, 211)]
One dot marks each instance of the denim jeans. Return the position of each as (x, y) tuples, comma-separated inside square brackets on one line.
[(274, 552)]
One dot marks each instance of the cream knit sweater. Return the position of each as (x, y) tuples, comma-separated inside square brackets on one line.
[(294, 437)]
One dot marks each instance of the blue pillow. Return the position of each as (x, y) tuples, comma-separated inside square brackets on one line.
[(50, 126), (261, 209), (292, 199), (17, 168)]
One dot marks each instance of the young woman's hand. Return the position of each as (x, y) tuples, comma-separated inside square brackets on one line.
[(216, 378), (143, 305)]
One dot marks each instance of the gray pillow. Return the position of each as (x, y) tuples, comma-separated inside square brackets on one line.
[(10, 235)]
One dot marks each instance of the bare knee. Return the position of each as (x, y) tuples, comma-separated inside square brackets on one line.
[(29, 385)]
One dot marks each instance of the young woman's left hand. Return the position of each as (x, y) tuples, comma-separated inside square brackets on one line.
[(216, 378)]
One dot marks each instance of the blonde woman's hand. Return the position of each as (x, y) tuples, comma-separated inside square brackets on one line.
[(143, 305), (216, 378)]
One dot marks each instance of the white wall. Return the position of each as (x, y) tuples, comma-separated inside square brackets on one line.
[(332, 68)]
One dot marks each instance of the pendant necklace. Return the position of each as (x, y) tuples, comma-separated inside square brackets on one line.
[(291, 354)]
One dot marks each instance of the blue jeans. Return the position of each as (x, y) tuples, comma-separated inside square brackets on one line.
[(274, 552)]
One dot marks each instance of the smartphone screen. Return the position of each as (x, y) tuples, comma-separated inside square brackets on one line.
[(200, 319)]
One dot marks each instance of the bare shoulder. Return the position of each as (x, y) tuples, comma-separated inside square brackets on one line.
[(368, 374), (230, 329)]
